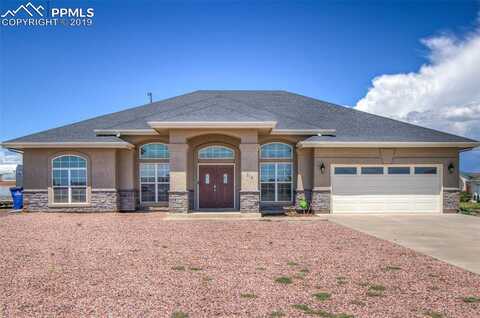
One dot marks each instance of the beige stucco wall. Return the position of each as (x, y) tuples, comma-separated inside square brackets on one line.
[(328, 156), (102, 172)]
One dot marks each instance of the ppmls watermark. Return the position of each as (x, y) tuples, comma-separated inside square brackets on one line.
[(36, 15)]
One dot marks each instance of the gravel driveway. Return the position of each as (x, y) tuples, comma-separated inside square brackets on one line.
[(131, 265)]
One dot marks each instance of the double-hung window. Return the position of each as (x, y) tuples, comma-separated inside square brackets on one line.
[(276, 180), (154, 173), (69, 179)]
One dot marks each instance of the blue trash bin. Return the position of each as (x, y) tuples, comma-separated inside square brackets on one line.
[(17, 196)]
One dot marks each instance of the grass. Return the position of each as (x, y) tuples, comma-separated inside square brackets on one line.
[(375, 290), (179, 314), (277, 313), (319, 313), (357, 302), (283, 280), (470, 208), (392, 268), (178, 268), (433, 314), (249, 296), (341, 280), (471, 299), (292, 263), (322, 296), (261, 269), (195, 269)]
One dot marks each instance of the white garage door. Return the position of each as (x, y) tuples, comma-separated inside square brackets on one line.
[(386, 189)]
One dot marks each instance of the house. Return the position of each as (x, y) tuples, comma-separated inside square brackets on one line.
[(470, 182), (241, 151), (7, 180)]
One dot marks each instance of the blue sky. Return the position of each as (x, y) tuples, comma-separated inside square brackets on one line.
[(52, 76)]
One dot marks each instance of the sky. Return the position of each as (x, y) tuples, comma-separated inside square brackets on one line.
[(413, 61)]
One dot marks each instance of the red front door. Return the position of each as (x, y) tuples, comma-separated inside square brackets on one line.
[(216, 186)]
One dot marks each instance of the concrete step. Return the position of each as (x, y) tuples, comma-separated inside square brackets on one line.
[(213, 216)]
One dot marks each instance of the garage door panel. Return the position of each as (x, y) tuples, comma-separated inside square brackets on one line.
[(386, 193)]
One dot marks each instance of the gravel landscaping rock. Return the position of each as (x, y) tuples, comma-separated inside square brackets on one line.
[(131, 265)]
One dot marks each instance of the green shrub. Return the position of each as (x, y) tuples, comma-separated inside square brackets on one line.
[(465, 196)]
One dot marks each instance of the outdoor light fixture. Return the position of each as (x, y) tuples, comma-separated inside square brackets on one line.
[(322, 168), (451, 167)]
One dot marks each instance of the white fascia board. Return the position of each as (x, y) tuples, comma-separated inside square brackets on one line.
[(119, 132), (325, 132), (23, 145), (212, 124), (373, 144)]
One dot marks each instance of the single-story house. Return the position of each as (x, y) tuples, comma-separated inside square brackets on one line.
[(470, 182), (242, 151)]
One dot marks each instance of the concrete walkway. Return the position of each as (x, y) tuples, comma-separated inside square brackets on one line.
[(453, 238)]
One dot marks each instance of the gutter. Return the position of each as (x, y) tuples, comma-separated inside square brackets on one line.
[(384, 144), (24, 145)]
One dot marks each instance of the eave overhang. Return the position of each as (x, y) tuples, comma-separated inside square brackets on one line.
[(385, 144), (23, 145), (212, 124)]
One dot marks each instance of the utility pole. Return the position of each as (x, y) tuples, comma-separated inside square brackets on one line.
[(150, 96)]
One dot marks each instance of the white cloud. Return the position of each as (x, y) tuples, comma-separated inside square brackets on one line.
[(443, 94), (9, 158)]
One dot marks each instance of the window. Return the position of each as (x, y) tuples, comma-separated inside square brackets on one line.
[(69, 179), (154, 182), (345, 170), (216, 152), (372, 170), (398, 170), (276, 150), (154, 151), (276, 182), (425, 170)]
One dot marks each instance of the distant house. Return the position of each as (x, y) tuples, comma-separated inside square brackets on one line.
[(470, 182), (7, 180)]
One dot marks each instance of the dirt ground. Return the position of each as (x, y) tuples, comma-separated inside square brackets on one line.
[(140, 265)]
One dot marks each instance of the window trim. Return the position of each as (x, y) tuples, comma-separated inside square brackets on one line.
[(69, 186), (279, 158), (140, 157), (276, 182), (156, 182), (218, 158)]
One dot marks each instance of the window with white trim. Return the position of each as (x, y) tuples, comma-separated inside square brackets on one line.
[(216, 152), (154, 182), (154, 151), (276, 182), (69, 179)]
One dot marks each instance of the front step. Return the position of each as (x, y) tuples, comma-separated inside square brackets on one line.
[(213, 216)]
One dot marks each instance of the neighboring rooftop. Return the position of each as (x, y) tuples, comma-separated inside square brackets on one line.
[(289, 110)]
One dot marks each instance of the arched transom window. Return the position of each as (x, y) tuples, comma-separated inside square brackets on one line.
[(216, 152), (69, 179), (276, 172), (276, 150), (154, 151)]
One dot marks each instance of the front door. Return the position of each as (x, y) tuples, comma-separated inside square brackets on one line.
[(216, 186)]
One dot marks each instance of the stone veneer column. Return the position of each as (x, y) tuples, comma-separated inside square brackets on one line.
[(321, 191), (249, 192), (451, 200), (178, 197)]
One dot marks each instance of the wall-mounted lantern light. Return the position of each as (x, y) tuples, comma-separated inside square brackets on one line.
[(451, 168), (322, 168)]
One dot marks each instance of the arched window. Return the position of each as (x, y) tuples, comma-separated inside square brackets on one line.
[(276, 172), (154, 151), (276, 150), (216, 152), (69, 179)]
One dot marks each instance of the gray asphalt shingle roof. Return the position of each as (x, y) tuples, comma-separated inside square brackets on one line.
[(291, 111)]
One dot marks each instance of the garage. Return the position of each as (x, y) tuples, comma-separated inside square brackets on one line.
[(386, 188)]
